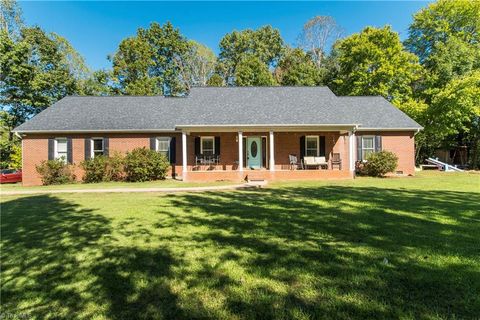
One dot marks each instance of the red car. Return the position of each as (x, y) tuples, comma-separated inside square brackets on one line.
[(10, 176)]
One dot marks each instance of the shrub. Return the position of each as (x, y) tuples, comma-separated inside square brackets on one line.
[(114, 170), (380, 163), (145, 165), (55, 172), (94, 169), (103, 168)]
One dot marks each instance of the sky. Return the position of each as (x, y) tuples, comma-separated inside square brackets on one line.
[(95, 28)]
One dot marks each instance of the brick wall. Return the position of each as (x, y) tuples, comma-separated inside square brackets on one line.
[(35, 149), (402, 144)]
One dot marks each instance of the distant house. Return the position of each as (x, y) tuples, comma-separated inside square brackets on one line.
[(226, 133)]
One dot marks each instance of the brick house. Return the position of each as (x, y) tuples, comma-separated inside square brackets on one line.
[(226, 133)]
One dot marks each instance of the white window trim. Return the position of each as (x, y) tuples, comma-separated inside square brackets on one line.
[(204, 138), (92, 155), (318, 144), (169, 139), (55, 149), (372, 148)]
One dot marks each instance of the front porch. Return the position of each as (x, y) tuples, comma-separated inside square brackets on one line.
[(267, 155)]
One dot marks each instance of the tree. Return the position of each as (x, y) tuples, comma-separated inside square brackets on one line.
[(11, 20), (446, 37), (132, 65), (251, 71), (455, 110), (440, 21), (296, 68), (265, 44), (153, 62), (170, 53), (200, 64), (215, 81), (374, 62), (98, 83), (317, 34), (35, 71)]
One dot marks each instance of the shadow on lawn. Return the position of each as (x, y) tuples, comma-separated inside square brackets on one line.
[(40, 237), (340, 237), (51, 248), (282, 253)]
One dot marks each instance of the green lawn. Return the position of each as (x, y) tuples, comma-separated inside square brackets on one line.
[(399, 248), (169, 183)]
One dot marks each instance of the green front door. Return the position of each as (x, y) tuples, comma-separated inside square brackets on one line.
[(254, 152)]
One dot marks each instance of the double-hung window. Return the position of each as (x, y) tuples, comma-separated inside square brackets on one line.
[(207, 146), (163, 146), (97, 147), (61, 149), (368, 146), (311, 146)]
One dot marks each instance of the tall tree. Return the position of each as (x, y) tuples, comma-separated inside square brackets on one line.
[(265, 44), (132, 68), (296, 68), (251, 71), (11, 20), (97, 83), (170, 52), (153, 62), (374, 62), (317, 34), (200, 64), (446, 37), (455, 111), (35, 71)]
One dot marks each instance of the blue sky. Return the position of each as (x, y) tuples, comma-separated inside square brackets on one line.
[(95, 28)]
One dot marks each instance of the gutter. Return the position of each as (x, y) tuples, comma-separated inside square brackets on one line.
[(98, 131)]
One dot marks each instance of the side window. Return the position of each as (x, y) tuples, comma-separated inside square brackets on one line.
[(61, 148), (97, 147), (163, 146), (368, 146)]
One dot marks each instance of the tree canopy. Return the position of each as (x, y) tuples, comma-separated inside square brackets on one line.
[(446, 37), (251, 71), (297, 68), (265, 44), (35, 71), (374, 62)]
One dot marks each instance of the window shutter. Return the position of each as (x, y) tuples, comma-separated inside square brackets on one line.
[(322, 146), (106, 147), (153, 143), (217, 146), (51, 149), (88, 148), (244, 149), (378, 143), (359, 148), (172, 151), (69, 151), (302, 147), (197, 145)]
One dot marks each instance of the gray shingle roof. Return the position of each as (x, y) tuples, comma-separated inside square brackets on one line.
[(218, 106)]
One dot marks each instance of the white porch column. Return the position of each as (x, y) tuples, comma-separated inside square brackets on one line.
[(351, 150), (272, 152), (240, 150), (184, 152)]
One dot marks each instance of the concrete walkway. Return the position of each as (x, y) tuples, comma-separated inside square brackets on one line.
[(129, 190)]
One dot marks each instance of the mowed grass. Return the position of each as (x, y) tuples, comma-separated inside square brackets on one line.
[(400, 248), (168, 183)]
